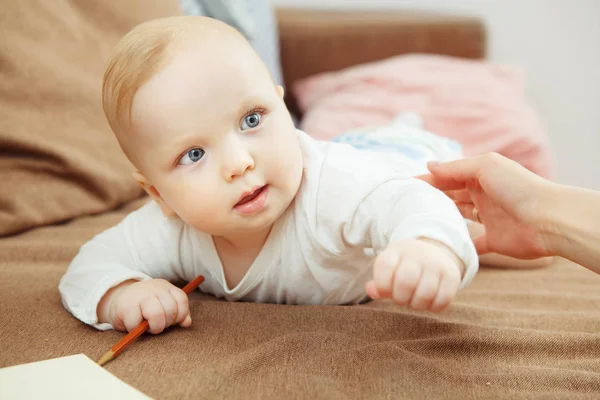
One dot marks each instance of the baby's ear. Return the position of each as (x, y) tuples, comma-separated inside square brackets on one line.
[(154, 194), (280, 90)]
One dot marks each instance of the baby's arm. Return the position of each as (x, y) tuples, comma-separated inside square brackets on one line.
[(109, 283), (424, 252)]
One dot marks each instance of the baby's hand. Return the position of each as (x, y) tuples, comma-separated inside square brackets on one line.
[(156, 300), (422, 273)]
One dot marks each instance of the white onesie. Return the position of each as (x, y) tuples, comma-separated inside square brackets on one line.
[(350, 205)]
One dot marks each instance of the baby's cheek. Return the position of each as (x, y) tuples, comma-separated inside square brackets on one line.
[(198, 209), (292, 164)]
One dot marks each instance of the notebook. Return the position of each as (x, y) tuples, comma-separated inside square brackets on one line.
[(68, 378)]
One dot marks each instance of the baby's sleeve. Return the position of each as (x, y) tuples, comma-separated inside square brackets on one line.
[(400, 209), (144, 245)]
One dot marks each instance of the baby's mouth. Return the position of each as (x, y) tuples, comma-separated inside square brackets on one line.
[(251, 196)]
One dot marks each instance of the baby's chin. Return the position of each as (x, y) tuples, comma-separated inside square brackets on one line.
[(235, 225)]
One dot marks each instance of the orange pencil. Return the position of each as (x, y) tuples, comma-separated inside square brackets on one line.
[(141, 328)]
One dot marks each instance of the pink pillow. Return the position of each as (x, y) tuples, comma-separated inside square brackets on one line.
[(480, 105)]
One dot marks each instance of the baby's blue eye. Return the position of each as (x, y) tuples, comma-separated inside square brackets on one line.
[(251, 121), (192, 156)]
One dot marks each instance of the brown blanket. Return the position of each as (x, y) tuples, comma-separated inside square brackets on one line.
[(511, 334)]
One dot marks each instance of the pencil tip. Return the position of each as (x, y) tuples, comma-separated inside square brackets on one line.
[(105, 358)]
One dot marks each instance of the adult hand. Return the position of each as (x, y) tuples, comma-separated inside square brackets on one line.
[(502, 195)]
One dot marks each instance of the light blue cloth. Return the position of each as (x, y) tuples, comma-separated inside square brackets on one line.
[(404, 143), (255, 19)]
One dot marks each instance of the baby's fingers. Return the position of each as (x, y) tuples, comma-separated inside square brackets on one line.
[(130, 317), (153, 311), (405, 281), (449, 285), (187, 321), (371, 290), (169, 306), (426, 291), (383, 271), (183, 308)]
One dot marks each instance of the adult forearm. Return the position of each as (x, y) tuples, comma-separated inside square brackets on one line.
[(570, 224)]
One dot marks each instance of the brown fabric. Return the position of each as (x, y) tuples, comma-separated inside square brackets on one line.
[(321, 41), (511, 334), (58, 157)]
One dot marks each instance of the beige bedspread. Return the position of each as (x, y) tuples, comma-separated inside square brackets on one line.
[(511, 334)]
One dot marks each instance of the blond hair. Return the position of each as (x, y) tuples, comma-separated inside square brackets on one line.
[(138, 56)]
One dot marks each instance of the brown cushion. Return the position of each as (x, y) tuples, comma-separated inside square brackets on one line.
[(58, 156)]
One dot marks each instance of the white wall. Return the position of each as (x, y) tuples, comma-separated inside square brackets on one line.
[(558, 44)]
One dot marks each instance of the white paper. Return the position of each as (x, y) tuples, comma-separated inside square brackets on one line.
[(66, 378)]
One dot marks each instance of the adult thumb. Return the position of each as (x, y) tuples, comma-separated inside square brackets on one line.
[(481, 244)]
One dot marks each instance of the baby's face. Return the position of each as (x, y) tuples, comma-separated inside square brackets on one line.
[(215, 139)]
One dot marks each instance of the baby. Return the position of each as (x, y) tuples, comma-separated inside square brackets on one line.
[(263, 211)]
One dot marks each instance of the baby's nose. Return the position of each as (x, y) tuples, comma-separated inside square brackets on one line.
[(237, 164)]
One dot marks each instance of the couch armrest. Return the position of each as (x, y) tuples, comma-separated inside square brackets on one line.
[(319, 41)]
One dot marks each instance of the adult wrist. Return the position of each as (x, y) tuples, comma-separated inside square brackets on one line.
[(560, 219)]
